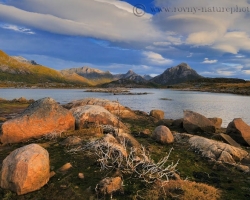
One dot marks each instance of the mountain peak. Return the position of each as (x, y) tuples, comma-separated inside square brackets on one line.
[(178, 74)]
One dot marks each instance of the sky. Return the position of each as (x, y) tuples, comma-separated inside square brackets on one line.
[(147, 36)]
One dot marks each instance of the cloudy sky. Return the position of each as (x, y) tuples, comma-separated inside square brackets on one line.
[(147, 36)]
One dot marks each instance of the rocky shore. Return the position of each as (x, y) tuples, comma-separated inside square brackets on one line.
[(116, 91), (95, 148)]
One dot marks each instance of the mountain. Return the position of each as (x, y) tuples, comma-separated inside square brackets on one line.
[(132, 76), (94, 75), (20, 70), (130, 79), (147, 77), (178, 74)]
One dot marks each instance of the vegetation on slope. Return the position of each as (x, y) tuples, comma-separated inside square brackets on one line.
[(12, 70)]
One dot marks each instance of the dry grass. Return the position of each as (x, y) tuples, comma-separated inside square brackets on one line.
[(180, 190)]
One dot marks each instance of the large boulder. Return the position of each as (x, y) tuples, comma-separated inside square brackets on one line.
[(112, 106), (94, 114), (239, 131), (163, 135), (217, 122), (158, 114), (43, 117), (194, 123), (217, 151), (26, 169)]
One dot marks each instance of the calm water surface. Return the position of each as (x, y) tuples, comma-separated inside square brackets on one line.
[(226, 106)]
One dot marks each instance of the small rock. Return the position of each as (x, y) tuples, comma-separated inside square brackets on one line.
[(243, 168), (158, 114), (63, 186), (72, 141), (3, 119), (52, 173), (65, 167), (163, 135), (165, 122), (216, 121), (109, 185), (178, 123), (81, 175), (145, 133)]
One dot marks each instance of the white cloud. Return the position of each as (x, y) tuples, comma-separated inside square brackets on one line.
[(240, 56), (247, 72), (155, 58), (214, 29), (112, 20), (233, 42), (207, 61), (17, 28), (190, 55)]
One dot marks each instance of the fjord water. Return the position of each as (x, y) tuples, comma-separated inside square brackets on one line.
[(225, 106)]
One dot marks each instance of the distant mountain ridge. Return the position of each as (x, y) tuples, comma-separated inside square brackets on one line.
[(19, 69), (178, 74), (90, 73)]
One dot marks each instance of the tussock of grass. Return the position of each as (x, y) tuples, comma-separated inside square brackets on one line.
[(181, 190)]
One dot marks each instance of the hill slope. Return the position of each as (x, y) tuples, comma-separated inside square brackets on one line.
[(178, 74), (15, 69)]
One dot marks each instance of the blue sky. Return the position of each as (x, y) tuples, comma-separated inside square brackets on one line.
[(212, 37)]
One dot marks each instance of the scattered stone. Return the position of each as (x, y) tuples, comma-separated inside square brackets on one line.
[(165, 122), (81, 175), (112, 106), (26, 169), (41, 118), (178, 123), (63, 186), (239, 131), (145, 133), (217, 151), (72, 141), (166, 99), (194, 123), (243, 168), (158, 114), (52, 173), (65, 167), (22, 99), (163, 135), (96, 115), (3, 119), (216, 121), (229, 140), (109, 185)]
